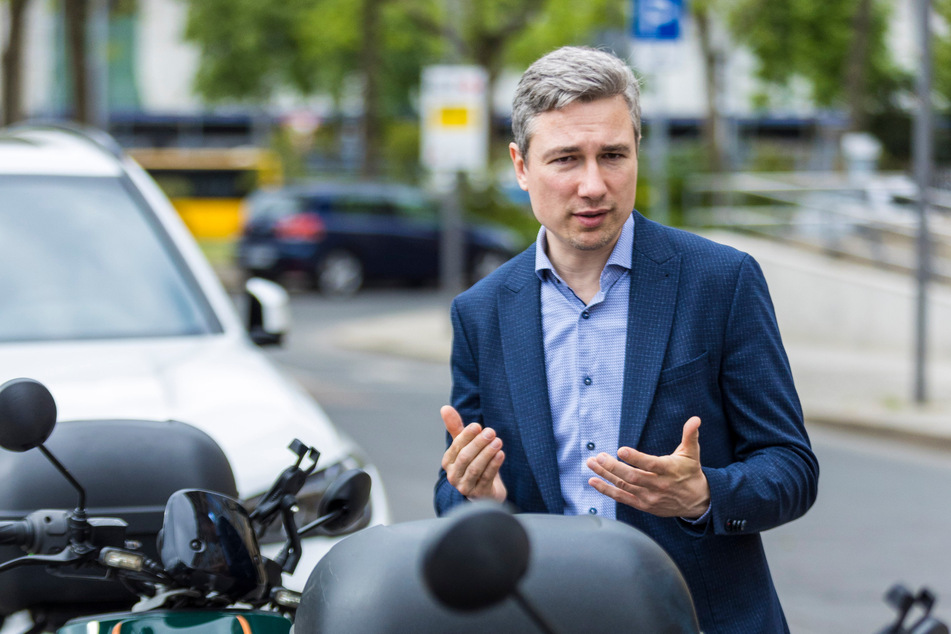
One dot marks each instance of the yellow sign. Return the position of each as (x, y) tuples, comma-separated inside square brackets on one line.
[(454, 117)]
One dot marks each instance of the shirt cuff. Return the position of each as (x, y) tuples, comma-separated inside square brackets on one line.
[(700, 520)]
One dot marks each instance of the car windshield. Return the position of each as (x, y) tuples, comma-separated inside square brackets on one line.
[(81, 258)]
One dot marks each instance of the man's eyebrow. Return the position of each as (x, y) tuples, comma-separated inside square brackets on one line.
[(619, 148), (615, 148), (559, 151)]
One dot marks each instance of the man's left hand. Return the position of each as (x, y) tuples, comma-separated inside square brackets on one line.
[(667, 486)]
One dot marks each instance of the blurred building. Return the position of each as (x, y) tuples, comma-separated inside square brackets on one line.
[(143, 78)]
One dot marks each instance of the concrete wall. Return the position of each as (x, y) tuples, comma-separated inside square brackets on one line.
[(824, 300)]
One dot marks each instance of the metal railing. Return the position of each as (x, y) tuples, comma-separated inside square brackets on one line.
[(868, 218)]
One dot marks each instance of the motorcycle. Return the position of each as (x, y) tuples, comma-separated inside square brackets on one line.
[(160, 543), (173, 551), (914, 612)]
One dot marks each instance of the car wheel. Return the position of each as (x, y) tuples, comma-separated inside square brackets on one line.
[(339, 273), (486, 262)]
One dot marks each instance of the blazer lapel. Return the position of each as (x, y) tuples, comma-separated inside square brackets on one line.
[(655, 270), (523, 353)]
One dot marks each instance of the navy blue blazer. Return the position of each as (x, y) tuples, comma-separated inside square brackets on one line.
[(702, 340)]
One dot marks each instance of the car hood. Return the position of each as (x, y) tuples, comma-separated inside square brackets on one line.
[(222, 385)]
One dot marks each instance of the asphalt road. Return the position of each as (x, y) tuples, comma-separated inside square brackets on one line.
[(883, 514)]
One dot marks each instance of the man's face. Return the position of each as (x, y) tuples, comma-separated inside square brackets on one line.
[(581, 175)]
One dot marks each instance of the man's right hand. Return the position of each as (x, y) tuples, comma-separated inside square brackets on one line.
[(473, 459)]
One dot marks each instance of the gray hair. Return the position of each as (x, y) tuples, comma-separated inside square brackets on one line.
[(566, 75)]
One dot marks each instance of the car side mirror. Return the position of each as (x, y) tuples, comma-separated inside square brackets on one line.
[(269, 313)]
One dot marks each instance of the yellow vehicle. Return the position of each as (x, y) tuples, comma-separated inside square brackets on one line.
[(207, 185)]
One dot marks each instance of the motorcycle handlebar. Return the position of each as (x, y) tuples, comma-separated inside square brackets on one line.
[(16, 532), (41, 532)]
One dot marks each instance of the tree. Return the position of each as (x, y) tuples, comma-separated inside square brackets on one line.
[(838, 46), (13, 63), (942, 53), (706, 14), (250, 50), (77, 21)]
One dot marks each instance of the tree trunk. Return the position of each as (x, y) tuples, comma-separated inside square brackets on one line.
[(13, 64), (856, 84), (371, 128), (713, 125), (77, 13)]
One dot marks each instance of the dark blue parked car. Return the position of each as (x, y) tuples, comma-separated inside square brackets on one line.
[(344, 234)]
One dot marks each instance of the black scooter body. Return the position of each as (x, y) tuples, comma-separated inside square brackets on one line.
[(129, 468), (585, 574)]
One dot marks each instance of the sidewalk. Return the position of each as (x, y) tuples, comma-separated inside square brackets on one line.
[(857, 389), (846, 329)]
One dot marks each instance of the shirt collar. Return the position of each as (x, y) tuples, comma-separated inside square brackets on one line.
[(620, 255)]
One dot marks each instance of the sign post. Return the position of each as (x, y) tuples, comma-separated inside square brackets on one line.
[(656, 24), (922, 160), (454, 140)]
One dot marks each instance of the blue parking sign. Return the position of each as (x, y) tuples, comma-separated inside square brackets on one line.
[(657, 19)]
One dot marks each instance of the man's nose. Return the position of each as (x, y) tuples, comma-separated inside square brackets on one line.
[(592, 185)]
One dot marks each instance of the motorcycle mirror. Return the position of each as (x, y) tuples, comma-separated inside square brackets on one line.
[(478, 558), (344, 502), (27, 414)]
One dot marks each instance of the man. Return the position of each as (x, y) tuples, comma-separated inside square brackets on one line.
[(622, 368)]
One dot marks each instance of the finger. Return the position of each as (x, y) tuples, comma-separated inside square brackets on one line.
[(616, 494), (690, 442), (468, 473), (482, 461), (643, 462), (618, 473), (451, 419), (478, 442), (486, 482), (462, 440)]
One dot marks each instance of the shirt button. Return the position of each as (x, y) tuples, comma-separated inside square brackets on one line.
[(592, 511), (590, 446), (585, 315), (587, 380)]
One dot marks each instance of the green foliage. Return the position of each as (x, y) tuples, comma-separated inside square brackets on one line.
[(492, 205), (942, 53), (812, 39), (564, 23), (401, 147), (248, 49)]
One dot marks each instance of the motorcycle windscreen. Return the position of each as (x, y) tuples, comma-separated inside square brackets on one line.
[(208, 543)]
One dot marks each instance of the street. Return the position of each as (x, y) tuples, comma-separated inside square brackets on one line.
[(883, 514)]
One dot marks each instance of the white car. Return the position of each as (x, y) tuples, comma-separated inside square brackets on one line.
[(106, 299)]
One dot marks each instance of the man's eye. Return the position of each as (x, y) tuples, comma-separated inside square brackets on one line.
[(613, 156), (563, 159)]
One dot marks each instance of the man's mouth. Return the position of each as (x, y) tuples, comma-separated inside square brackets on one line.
[(590, 218)]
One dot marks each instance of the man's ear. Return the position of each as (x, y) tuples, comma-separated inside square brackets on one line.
[(518, 161)]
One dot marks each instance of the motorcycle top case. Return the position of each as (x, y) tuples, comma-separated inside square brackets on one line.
[(583, 571), (129, 468)]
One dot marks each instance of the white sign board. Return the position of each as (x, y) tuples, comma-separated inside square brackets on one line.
[(455, 121)]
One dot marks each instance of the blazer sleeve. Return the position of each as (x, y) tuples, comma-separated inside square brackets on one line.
[(465, 398), (773, 477)]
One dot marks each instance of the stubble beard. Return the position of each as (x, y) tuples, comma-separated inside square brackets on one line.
[(605, 238)]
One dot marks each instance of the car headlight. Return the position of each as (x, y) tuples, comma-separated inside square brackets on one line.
[(308, 501)]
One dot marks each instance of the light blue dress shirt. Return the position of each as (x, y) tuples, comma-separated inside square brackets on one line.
[(584, 360)]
